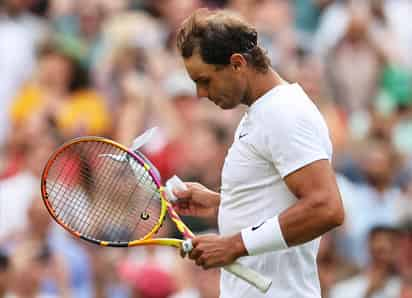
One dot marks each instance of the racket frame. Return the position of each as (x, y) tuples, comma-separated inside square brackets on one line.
[(261, 282), (165, 205)]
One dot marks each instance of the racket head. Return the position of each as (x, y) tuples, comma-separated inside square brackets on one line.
[(79, 192)]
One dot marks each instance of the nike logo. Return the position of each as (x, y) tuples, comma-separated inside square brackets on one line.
[(243, 135), (258, 226)]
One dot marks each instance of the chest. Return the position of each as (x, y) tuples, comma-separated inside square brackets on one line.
[(248, 160)]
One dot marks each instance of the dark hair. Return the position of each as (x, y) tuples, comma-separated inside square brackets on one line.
[(382, 229), (80, 76), (405, 227), (217, 36), (4, 261)]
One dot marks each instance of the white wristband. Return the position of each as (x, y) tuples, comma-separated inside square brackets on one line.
[(264, 237)]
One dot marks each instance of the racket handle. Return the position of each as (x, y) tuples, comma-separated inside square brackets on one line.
[(262, 283), (251, 276), (187, 245)]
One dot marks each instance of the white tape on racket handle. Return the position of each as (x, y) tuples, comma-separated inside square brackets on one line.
[(187, 245), (249, 275)]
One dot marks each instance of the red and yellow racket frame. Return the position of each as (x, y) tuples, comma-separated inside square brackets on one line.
[(166, 206)]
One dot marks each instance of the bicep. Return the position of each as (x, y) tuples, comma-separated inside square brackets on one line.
[(319, 207), (316, 179)]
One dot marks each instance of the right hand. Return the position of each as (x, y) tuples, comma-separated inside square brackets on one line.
[(197, 201)]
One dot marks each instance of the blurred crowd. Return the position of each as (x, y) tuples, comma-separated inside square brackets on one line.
[(110, 68)]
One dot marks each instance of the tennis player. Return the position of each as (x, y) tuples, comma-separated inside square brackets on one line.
[(278, 193)]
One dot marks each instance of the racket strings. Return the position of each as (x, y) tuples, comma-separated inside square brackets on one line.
[(99, 212), (104, 210), (58, 193), (102, 198), (78, 205)]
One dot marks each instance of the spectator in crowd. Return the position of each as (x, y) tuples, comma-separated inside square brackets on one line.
[(20, 32), (60, 92), (18, 190), (378, 278), (149, 281), (376, 194), (26, 273), (332, 267), (405, 259), (53, 276), (81, 31)]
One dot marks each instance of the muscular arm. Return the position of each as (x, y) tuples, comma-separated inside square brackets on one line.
[(318, 210), (319, 206)]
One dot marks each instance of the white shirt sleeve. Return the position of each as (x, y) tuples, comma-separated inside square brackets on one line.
[(296, 134)]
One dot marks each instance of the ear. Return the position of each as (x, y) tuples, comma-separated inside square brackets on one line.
[(237, 61)]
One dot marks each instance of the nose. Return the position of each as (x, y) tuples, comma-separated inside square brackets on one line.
[(202, 92)]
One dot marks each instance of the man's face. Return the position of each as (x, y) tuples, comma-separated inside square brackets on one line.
[(381, 248), (224, 86)]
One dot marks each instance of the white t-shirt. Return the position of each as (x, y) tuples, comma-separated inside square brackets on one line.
[(280, 133), (16, 196), (357, 286)]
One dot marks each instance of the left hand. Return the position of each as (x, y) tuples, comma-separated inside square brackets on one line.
[(216, 251)]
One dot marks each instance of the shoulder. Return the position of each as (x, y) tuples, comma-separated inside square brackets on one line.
[(286, 106), (288, 112)]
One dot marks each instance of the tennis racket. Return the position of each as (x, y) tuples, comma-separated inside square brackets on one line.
[(104, 193)]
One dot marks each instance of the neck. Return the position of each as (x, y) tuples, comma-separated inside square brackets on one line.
[(262, 83)]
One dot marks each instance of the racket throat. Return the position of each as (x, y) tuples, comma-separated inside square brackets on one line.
[(187, 245)]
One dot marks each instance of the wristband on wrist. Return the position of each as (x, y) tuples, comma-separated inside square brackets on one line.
[(265, 237)]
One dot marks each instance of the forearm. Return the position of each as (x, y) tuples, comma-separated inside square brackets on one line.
[(306, 220), (309, 219)]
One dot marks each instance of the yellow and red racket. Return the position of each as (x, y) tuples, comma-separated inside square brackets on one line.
[(107, 194)]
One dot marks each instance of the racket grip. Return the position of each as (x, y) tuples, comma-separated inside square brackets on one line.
[(187, 245), (251, 276), (262, 283)]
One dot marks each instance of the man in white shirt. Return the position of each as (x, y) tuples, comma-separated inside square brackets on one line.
[(278, 193), (378, 279), (20, 32)]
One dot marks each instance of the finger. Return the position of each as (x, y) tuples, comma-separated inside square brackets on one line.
[(182, 211), (182, 194), (184, 205), (200, 261), (182, 253), (196, 240), (194, 254), (180, 205)]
